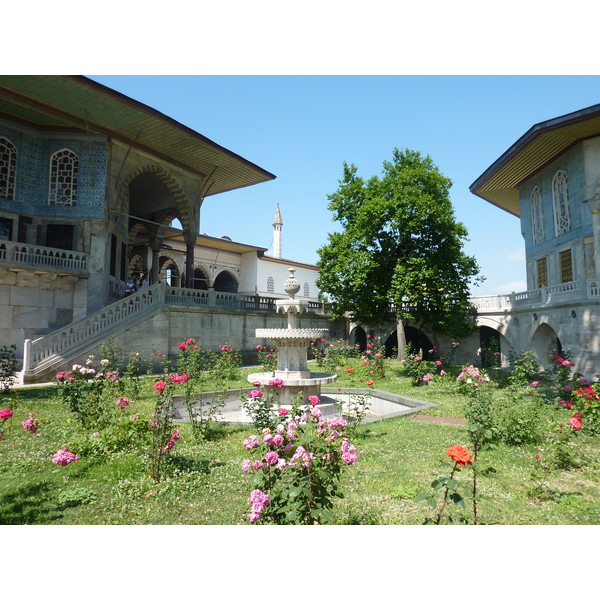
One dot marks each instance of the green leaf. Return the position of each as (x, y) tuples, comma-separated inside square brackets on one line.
[(456, 499)]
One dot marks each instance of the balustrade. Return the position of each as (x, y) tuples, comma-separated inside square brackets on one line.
[(29, 255)]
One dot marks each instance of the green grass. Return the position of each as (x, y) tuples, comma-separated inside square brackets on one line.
[(204, 483)]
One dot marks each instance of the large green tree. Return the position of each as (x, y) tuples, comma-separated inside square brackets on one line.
[(400, 245)]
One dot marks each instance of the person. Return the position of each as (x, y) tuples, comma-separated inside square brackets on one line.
[(143, 282), (132, 284)]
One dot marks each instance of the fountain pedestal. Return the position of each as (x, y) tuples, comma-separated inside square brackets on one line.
[(292, 345)]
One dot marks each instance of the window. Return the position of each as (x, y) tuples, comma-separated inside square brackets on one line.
[(560, 197), (6, 229), (64, 169), (270, 285), (8, 169), (537, 217), (542, 272), (306, 290), (566, 266), (60, 236)]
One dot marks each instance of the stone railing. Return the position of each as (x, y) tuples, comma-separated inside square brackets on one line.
[(28, 255), (563, 293), (212, 299), (41, 353)]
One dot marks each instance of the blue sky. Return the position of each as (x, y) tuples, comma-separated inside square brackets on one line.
[(302, 129)]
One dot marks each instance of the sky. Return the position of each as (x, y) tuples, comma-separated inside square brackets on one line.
[(303, 128)]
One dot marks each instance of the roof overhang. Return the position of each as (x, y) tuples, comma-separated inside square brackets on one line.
[(73, 103), (206, 241), (541, 145)]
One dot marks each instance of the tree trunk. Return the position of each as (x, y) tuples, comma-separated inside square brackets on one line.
[(401, 338)]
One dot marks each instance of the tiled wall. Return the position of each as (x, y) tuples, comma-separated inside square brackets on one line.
[(32, 178)]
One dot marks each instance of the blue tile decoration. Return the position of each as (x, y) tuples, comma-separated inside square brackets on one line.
[(33, 173)]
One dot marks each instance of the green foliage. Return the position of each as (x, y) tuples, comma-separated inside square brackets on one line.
[(334, 353), (400, 242), (267, 358), (587, 402), (76, 497), (299, 477), (8, 367), (227, 365), (414, 366), (482, 428), (518, 421), (355, 409), (523, 367)]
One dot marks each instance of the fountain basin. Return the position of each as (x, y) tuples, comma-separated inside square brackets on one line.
[(296, 382)]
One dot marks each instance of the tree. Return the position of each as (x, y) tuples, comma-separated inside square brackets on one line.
[(400, 245)]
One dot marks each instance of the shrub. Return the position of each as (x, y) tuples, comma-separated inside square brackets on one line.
[(518, 422), (295, 478), (523, 367), (8, 366)]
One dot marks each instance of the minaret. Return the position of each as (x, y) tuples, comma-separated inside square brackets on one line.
[(277, 225)]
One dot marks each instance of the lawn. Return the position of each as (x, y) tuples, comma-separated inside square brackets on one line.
[(203, 483)]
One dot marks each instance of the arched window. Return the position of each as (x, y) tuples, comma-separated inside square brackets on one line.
[(537, 217), (270, 285), (64, 170), (306, 290), (560, 196), (8, 168), (225, 282)]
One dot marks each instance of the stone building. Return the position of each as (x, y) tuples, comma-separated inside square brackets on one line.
[(550, 180), (90, 183)]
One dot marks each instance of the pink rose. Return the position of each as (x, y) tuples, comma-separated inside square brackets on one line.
[(282, 412), (272, 457), (314, 400), (123, 403), (63, 457), (159, 386)]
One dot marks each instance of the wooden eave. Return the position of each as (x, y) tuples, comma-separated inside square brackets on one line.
[(73, 103), (541, 145)]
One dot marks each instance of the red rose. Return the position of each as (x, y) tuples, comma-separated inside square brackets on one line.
[(576, 422), (369, 382), (460, 455), (6, 413)]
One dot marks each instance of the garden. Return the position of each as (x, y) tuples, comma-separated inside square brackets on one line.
[(101, 445)]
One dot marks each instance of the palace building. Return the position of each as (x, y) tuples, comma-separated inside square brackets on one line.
[(90, 183)]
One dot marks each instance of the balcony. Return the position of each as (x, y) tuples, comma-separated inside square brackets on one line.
[(14, 255), (556, 295)]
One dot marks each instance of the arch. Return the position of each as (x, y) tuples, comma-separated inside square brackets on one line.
[(201, 278), (136, 265), (226, 281), (173, 262), (186, 214), (358, 338), (545, 343)]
